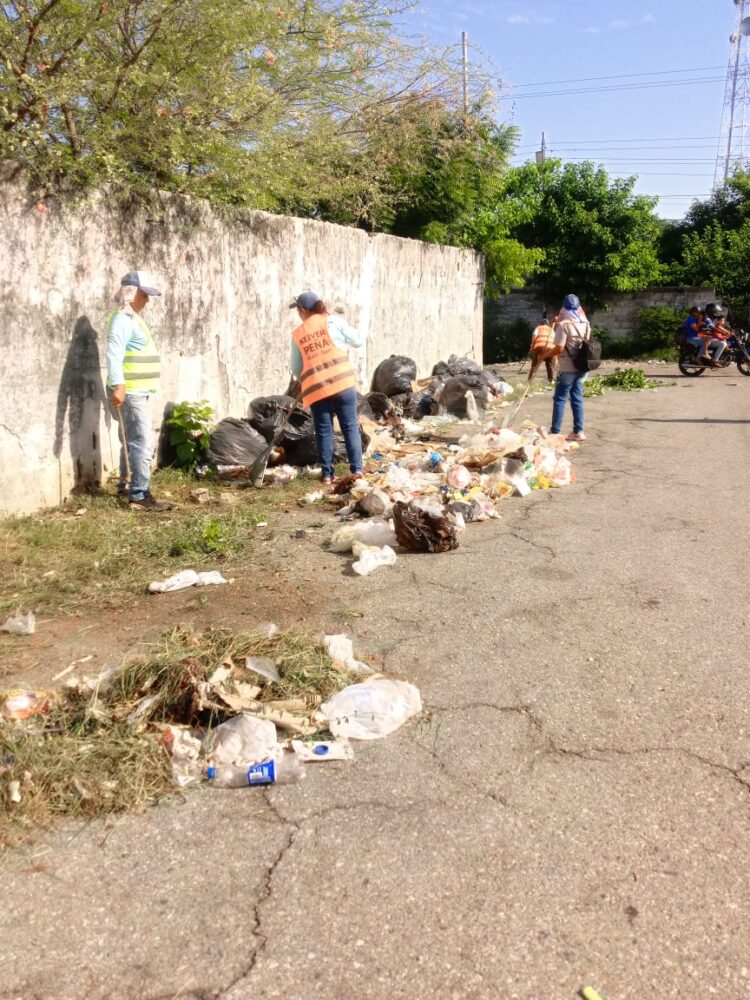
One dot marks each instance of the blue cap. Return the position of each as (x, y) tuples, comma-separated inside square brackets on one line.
[(571, 303), (211, 773), (320, 750), (305, 300)]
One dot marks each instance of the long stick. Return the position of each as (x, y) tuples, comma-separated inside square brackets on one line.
[(124, 443), (512, 416)]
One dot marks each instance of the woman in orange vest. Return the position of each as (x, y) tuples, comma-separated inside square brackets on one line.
[(327, 381)]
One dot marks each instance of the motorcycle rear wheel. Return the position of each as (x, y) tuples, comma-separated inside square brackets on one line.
[(743, 366), (690, 367)]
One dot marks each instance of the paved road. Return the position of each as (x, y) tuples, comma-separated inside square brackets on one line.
[(576, 809)]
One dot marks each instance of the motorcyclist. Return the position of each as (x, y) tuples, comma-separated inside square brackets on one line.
[(690, 326), (714, 332)]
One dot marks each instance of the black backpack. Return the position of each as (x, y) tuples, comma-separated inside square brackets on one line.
[(588, 357)]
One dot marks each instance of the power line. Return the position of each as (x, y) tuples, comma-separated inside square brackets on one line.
[(623, 87), (618, 76), (581, 142)]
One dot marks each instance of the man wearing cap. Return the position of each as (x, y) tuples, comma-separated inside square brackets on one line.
[(133, 370)]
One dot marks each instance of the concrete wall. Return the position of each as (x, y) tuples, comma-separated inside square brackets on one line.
[(618, 318), (223, 326)]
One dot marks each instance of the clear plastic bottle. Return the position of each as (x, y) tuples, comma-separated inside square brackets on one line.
[(282, 771)]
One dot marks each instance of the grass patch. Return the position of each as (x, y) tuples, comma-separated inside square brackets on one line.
[(59, 561), (84, 758)]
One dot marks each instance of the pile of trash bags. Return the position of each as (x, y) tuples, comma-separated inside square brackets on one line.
[(421, 500), (396, 391)]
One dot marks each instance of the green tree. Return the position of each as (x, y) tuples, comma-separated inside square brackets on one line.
[(241, 101), (596, 236)]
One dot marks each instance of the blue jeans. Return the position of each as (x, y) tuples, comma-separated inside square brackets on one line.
[(136, 416), (569, 384), (344, 406)]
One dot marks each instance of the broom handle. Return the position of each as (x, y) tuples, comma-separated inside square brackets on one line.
[(124, 443)]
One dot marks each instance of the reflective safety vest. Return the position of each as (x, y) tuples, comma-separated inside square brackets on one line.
[(141, 365), (543, 338), (326, 370)]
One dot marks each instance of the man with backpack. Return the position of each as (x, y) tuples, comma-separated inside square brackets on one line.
[(577, 355)]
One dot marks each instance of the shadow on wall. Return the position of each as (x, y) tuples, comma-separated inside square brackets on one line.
[(82, 397)]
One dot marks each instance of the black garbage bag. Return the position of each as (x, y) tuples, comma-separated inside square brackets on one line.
[(304, 451), (394, 376), (364, 409), (380, 405), (453, 394), (234, 442), (267, 413), (419, 530), (454, 367)]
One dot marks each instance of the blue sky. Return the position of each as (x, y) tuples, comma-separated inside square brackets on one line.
[(668, 135)]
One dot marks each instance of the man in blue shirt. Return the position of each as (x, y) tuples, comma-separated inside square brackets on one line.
[(133, 371)]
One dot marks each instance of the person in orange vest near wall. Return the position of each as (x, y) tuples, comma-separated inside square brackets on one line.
[(327, 380), (543, 349)]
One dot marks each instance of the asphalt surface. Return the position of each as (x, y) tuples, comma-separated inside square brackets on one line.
[(573, 810)]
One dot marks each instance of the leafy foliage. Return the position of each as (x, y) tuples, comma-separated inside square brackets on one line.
[(621, 379), (506, 342), (594, 234), (655, 331), (189, 430)]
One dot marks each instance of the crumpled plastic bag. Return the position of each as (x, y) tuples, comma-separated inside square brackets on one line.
[(20, 704), (186, 578), (371, 710), (368, 532), (371, 557), (20, 624), (242, 740)]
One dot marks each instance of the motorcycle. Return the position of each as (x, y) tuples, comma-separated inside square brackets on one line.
[(736, 352)]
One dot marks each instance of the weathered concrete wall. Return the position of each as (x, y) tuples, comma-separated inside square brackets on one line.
[(223, 326), (618, 318)]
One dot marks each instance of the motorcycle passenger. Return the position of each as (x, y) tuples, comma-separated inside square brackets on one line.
[(721, 333)]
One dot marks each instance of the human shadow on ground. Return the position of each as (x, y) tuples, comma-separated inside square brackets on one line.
[(82, 398)]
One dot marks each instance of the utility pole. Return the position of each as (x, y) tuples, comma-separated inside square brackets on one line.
[(734, 144), (541, 154), (465, 63)]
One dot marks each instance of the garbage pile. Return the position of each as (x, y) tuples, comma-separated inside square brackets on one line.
[(420, 499), (231, 709), (458, 387)]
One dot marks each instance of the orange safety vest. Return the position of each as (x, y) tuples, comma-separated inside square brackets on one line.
[(543, 338), (326, 370)]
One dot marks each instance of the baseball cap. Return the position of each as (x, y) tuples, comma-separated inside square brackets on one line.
[(142, 280), (305, 300)]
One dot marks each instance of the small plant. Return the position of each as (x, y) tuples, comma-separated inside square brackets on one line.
[(621, 379), (655, 331), (189, 428)]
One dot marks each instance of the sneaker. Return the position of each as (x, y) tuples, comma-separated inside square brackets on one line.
[(580, 436), (150, 502)]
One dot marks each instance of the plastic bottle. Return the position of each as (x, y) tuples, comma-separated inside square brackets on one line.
[(284, 771)]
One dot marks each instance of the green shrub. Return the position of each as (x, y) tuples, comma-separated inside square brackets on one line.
[(189, 429), (655, 331), (507, 341)]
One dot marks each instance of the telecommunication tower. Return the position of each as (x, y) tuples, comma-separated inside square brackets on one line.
[(734, 141)]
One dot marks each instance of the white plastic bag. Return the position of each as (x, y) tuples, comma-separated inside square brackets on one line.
[(184, 579), (20, 624), (370, 557), (371, 710), (341, 651), (368, 532), (244, 739)]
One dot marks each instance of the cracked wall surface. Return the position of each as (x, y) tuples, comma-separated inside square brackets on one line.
[(223, 326)]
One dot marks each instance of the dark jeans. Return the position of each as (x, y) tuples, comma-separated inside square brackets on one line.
[(344, 406)]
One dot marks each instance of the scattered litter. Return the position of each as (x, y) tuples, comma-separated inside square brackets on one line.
[(244, 739), (187, 578), (311, 498), (71, 667), (279, 771), (228, 499), (14, 791), (371, 557), (19, 704), (200, 496), (341, 651), (261, 524), (315, 753), (281, 474), (589, 993), (81, 511), (268, 630), (264, 667), (20, 624), (377, 533), (371, 710), (421, 530)]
